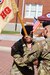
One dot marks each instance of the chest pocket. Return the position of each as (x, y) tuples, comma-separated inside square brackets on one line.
[(35, 51), (26, 51), (46, 50), (48, 43)]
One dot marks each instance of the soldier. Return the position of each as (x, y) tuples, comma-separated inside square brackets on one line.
[(44, 68), (26, 51), (43, 54), (20, 50)]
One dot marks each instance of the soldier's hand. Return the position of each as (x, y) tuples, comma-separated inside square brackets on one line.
[(35, 62)]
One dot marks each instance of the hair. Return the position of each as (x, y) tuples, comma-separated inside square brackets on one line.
[(46, 23), (28, 28)]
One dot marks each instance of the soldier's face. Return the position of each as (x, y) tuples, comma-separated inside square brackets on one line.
[(28, 39), (47, 31)]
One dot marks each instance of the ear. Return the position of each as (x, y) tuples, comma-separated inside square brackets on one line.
[(46, 30)]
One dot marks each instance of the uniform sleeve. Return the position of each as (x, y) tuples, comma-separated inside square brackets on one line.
[(16, 53), (14, 49), (37, 50), (20, 60)]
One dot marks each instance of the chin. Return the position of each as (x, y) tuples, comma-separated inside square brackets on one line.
[(29, 41)]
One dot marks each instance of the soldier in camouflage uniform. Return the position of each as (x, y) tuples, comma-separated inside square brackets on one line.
[(43, 54), (26, 51), (20, 50), (44, 67)]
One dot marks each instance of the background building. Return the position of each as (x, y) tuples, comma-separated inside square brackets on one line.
[(29, 9), (32, 8)]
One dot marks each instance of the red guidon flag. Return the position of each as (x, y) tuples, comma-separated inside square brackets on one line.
[(7, 10)]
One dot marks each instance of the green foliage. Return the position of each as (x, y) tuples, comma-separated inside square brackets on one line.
[(10, 32)]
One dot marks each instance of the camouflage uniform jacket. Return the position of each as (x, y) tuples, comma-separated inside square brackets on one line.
[(21, 65), (44, 67), (40, 50), (22, 55)]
